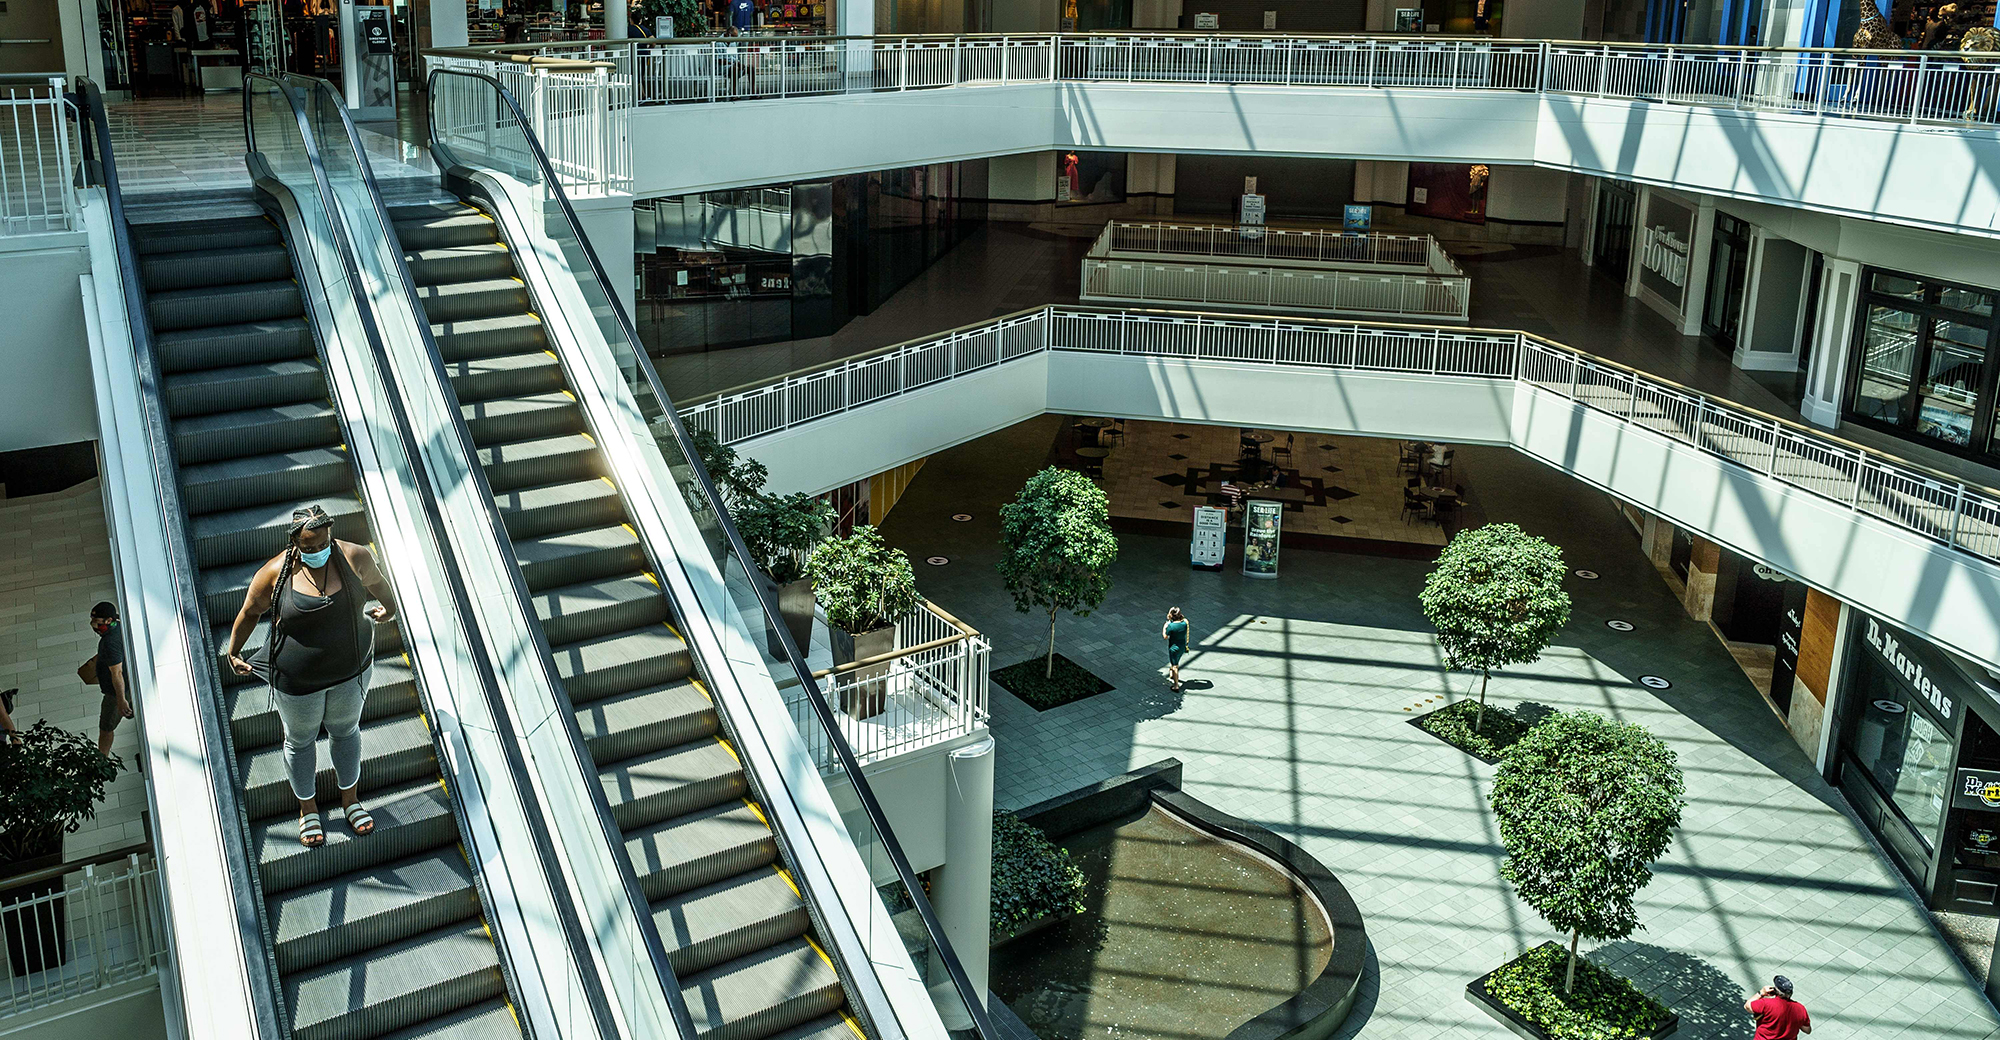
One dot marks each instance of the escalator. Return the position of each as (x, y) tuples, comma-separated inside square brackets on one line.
[(737, 932), (374, 936)]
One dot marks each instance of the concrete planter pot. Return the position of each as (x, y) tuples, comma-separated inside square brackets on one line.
[(862, 694), (1475, 991)]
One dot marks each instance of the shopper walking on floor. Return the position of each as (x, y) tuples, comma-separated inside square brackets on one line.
[(1779, 1017), (111, 675), (1175, 632), (317, 658)]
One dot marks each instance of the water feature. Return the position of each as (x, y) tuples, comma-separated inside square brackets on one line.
[(1183, 936)]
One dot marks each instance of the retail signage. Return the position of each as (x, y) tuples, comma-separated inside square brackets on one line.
[(1270, 19), (375, 29), (1211, 527), (663, 27), (1207, 20), (1977, 789), (1262, 520), (1896, 649), (1252, 220), (1409, 19), (1357, 218), (1791, 629)]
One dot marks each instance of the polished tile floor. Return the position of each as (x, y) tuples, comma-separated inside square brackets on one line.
[(194, 145)]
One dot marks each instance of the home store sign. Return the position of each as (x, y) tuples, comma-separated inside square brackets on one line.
[(1911, 669)]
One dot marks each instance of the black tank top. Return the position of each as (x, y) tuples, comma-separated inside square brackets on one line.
[(322, 641)]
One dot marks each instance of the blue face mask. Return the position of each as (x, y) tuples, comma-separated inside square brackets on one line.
[(318, 559)]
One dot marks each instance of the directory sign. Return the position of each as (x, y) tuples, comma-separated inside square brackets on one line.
[(1261, 522), (1211, 529)]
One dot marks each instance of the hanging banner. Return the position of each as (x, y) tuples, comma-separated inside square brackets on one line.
[(1261, 521), (1211, 528)]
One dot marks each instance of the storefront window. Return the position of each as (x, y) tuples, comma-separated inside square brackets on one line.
[(1922, 366), (1907, 756)]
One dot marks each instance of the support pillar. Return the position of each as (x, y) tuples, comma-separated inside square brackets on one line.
[(1703, 566), (1694, 299), (962, 893), (1833, 339), (448, 27), (1656, 537)]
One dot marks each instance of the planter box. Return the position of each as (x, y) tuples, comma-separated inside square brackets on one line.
[(1475, 991), (1039, 924), (867, 694)]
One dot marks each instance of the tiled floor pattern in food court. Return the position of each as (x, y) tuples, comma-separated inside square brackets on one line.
[(1296, 716)]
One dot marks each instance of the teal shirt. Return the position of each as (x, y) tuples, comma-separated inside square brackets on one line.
[(1177, 634)]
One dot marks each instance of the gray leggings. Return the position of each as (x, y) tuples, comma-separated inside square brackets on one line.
[(338, 708)]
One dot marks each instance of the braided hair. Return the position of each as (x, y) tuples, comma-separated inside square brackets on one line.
[(308, 518)]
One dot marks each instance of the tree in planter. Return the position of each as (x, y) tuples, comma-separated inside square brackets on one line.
[(1496, 599), (54, 780), (1585, 806), (780, 532), (1058, 547), (864, 586), (738, 478)]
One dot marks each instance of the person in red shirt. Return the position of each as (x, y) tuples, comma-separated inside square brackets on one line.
[(1779, 1017)]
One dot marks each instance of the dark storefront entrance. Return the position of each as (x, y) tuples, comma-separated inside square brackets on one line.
[(1919, 758), (1611, 242)]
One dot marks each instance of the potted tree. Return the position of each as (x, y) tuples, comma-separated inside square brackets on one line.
[(54, 780), (737, 479), (864, 586), (1058, 548), (780, 531), (1497, 599)]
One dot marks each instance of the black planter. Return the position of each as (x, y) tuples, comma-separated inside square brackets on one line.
[(1475, 991), (37, 937), (795, 605), (863, 698)]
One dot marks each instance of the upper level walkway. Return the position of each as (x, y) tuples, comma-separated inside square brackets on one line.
[(1902, 137)]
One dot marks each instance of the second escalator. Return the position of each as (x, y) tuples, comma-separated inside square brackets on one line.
[(736, 929)]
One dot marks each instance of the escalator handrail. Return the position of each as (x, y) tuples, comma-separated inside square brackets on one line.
[(544, 657), (239, 855), (489, 682), (773, 621)]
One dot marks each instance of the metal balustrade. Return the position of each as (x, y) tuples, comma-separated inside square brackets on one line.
[(37, 157), (1934, 505), (931, 689), (82, 931)]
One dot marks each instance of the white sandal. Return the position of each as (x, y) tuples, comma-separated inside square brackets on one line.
[(311, 834), (359, 821)]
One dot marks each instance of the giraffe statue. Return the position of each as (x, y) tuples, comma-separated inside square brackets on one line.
[(1874, 33)]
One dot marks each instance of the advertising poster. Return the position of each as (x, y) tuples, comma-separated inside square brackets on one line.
[(1261, 522), (1357, 219), (1409, 19), (1211, 527)]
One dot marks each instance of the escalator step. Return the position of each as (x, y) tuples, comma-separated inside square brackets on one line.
[(574, 505), (587, 610), (408, 211), (409, 819), (486, 298), (772, 990), (371, 908), (445, 231), (393, 751), (195, 235), (507, 375), (700, 848), (461, 263), (671, 783), (827, 1027), (490, 337), (198, 268), (544, 460), (522, 418), (222, 346), (732, 918), (579, 556), (223, 305), (395, 987), (493, 1020), (286, 478), (255, 431), (648, 656), (206, 392), (645, 721)]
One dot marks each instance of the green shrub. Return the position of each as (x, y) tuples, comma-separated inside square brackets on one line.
[(1454, 724), (1602, 1006), (1032, 878), (861, 582), (54, 779)]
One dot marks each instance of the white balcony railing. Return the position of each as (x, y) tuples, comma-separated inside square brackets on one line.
[(1941, 88), (580, 112), (1281, 269), (37, 157), (86, 929), (1934, 505), (930, 689)]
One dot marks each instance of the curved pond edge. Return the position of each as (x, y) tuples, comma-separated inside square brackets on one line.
[(1319, 1008)]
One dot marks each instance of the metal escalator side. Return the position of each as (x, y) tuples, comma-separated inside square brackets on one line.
[(226, 984), (640, 581)]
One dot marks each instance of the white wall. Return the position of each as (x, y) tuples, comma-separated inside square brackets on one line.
[(1941, 180), (1544, 20), (46, 396), (1027, 177), (1527, 194), (607, 223)]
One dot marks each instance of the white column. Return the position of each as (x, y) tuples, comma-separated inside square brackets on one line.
[(614, 20), (962, 894), (1753, 277), (1832, 339), (853, 17), (609, 224), (448, 23), (1640, 214), (1696, 294), (82, 54)]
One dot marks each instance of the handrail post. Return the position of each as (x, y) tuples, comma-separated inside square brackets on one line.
[(1957, 514), (1667, 77), (1917, 94), (1603, 69), (1372, 46), (1542, 76)]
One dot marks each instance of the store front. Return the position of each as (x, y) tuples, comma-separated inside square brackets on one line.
[(1918, 756), (1922, 365), (1611, 240)]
